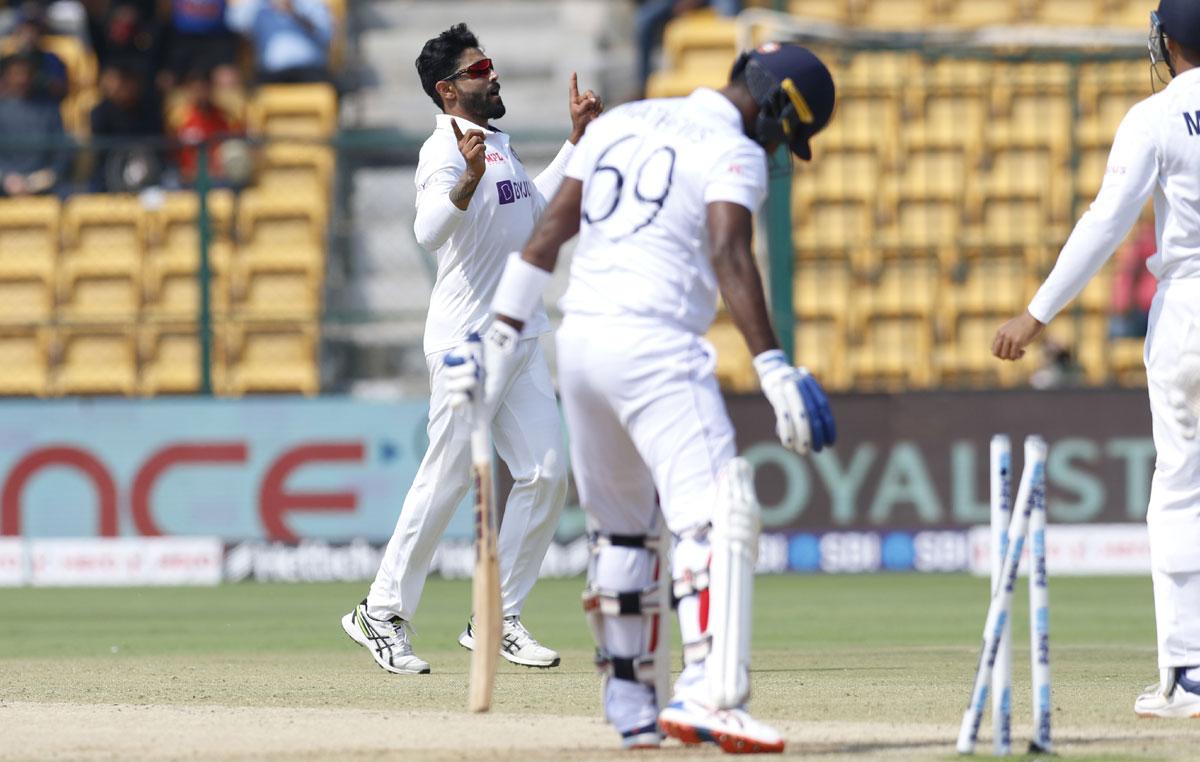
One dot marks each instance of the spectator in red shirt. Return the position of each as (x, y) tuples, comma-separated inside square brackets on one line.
[(1133, 285), (203, 121)]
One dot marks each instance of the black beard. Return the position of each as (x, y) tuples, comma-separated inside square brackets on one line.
[(481, 106)]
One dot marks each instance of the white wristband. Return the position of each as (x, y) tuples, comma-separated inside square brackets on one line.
[(520, 289)]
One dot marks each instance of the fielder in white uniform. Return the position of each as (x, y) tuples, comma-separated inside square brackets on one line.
[(1156, 153), (475, 204), (662, 193)]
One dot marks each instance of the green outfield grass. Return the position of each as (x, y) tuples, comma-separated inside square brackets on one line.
[(830, 653)]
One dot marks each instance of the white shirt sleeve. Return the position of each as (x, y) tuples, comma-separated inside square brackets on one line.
[(1129, 181), (740, 176), (437, 217), (550, 178)]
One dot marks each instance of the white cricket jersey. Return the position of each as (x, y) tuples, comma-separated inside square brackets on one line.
[(649, 169), (472, 245), (1156, 151)]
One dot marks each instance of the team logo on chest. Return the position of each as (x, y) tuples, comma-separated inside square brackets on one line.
[(510, 191)]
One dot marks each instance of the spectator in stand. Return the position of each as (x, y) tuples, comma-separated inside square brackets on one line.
[(652, 17), (1133, 285), (130, 35), (126, 113), (200, 39), (36, 166), (291, 37), (50, 73), (202, 121)]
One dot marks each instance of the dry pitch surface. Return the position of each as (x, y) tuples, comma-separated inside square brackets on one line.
[(850, 668)]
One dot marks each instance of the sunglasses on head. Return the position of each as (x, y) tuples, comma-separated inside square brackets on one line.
[(477, 70)]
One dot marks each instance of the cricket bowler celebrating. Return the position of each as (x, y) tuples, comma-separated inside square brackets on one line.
[(1156, 152), (475, 204), (662, 193)]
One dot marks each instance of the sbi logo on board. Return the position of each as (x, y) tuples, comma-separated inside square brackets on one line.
[(510, 191)]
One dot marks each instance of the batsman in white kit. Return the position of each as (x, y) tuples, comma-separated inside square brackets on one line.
[(1156, 153), (662, 193), (475, 203)]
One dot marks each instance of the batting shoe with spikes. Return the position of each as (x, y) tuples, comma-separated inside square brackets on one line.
[(386, 640), (1175, 697), (517, 645), (734, 730)]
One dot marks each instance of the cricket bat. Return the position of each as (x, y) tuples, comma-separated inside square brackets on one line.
[(485, 587)]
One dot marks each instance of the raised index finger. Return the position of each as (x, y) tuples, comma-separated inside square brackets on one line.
[(457, 132), (574, 87)]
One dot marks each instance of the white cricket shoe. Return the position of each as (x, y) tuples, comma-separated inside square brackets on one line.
[(1174, 699), (386, 640), (516, 644), (734, 730)]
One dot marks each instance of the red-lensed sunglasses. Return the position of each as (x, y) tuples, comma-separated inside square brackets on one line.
[(477, 70)]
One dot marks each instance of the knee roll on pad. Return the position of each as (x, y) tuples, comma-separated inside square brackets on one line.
[(624, 606)]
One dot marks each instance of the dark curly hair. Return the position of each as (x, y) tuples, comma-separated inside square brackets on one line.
[(439, 58)]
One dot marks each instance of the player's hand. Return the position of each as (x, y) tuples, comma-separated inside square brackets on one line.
[(499, 359), (464, 373), (803, 420), (584, 108), (1184, 393), (1015, 335), (472, 148)]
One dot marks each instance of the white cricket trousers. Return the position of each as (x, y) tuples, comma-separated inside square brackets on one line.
[(528, 438), (1173, 515), (644, 413)]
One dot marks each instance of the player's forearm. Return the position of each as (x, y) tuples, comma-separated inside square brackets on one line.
[(464, 190), (741, 288)]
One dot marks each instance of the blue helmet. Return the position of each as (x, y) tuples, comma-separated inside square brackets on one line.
[(1180, 20), (794, 92)]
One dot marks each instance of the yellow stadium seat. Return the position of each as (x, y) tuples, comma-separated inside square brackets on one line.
[(678, 83), (273, 357), (298, 111), (1126, 357), (277, 218), (291, 167), (171, 285), (836, 176), (862, 123), (968, 361), (1009, 223), (991, 286), (25, 357), (821, 347), (835, 11), (699, 35), (933, 174), (79, 60), (1130, 14), (833, 225), (1071, 12), (976, 13), (105, 227), (278, 287), (894, 353), (893, 14), (1098, 124), (907, 286), (734, 371), (922, 224), (171, 359), (29, 231), (950, 121), (872, 72), (1035, 121), (951, 76), (174, 227), (822, 288), (97, 360), (1096, 297), (1093, 165), (1020, 173)]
